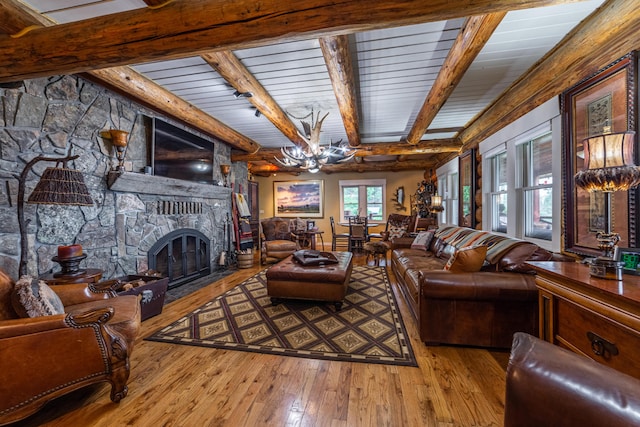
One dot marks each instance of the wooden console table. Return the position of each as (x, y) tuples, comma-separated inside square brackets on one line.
[(594, 317)]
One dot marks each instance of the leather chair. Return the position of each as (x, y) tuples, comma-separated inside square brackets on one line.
[(277, 241), (398, 226), (550, 386), (47, 356)]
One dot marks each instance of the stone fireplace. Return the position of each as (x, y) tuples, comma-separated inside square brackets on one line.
[(131, 212)]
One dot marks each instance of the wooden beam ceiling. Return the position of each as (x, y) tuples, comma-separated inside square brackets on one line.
[(362, 166), (236, 74), (337, 56), (365, 150), (127, 81), (572, 60), (185, 28), (470, 41)]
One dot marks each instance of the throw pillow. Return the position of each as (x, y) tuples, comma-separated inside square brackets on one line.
[(397, 231), (467, 260), (33, 298), (422, 240)]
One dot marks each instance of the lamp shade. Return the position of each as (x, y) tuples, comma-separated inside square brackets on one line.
[(436, 200), (609, 163), (609, 150), (61, 186)]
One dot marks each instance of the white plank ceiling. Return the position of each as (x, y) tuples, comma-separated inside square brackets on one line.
[(395, 69)]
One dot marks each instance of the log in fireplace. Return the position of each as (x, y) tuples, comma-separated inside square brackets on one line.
[(182, 256)]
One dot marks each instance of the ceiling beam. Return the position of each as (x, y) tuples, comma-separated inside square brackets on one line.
[(185, 28), (229, 66), (337, 56), (136, 85), (572, 60), (388, 166), (470, 41), (16, 19), (131, 83), (364, 150)]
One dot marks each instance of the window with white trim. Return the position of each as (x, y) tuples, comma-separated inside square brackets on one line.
[(498, 192), (363, 197), (534, 179)]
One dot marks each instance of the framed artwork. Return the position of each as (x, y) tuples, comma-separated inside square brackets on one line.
[(298, 199), (467, 192), (606, 99)]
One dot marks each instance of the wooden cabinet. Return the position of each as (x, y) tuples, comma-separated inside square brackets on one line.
[(254, 221), (594, 317)]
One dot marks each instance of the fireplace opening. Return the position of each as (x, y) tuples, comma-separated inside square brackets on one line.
[(182, 255)]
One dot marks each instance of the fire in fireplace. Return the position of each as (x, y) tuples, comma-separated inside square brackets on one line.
[(182, 256)]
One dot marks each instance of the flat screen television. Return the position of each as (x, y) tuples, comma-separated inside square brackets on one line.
[(180, 154)]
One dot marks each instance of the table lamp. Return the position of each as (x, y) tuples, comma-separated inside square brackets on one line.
[(609, 166)]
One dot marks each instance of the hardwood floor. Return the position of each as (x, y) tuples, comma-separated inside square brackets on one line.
[(176, 385)]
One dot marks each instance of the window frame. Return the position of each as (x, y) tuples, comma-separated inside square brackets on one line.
[(362, 185), (525, 184)]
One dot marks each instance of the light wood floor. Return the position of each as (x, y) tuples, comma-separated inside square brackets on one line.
[(176, 385)]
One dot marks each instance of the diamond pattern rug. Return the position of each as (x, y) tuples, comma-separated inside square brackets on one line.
[(368, 328)]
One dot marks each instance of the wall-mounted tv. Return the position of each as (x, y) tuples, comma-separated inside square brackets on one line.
[(177, 153)]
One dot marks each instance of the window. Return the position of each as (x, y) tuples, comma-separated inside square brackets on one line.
[(363, 197), (535, 181), (498, 192)]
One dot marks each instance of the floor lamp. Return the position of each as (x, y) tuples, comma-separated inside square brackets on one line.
[(57, 186), (609, 165)]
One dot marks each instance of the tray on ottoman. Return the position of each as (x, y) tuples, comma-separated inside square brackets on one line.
[(152, 288), (326, 282)]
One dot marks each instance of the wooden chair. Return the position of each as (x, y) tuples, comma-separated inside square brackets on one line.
[(357, 233), (338, 239)]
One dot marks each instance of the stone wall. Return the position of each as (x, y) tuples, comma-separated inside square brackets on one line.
[(52, 116)]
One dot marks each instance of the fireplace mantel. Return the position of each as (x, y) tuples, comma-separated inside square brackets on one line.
[(131, 182)]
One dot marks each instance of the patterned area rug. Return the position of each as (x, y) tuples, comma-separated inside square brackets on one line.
[(368, 328)]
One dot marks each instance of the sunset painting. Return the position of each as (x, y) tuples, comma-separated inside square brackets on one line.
[(298, 198)]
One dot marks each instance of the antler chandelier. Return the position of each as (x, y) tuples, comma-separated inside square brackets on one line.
[(314, 156)]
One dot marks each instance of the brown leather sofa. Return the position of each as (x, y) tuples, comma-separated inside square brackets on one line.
[(550, 386), (277, 240), (476, 308), (47, 356)]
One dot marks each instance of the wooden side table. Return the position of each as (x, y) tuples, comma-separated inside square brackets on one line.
[(90, 275), (595, 317)]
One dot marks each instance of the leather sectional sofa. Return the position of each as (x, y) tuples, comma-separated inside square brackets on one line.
[(477, 305)]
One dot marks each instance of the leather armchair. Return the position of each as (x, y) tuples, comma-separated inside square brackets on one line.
[(550, 386), (398, 227), (277, 241), (44, 357)]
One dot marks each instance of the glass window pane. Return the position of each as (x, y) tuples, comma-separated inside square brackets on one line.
[(539, 213), (350, 198), (499, 212), (374, 202), (541, 166)]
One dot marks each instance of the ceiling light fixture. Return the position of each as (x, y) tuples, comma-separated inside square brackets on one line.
[(314, 156)]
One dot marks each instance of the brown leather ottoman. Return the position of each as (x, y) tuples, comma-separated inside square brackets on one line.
[(289, 279)]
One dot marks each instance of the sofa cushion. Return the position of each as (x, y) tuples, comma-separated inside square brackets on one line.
[(422, 240), (468, 259), (33, 298)]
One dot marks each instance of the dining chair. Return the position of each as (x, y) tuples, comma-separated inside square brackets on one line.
[(338, 239), (357, 233)]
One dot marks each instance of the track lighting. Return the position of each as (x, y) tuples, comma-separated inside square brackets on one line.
[(239, 94)]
